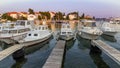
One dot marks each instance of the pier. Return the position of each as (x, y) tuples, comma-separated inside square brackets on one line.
[(5, 53), (110, 51), (56, 57)]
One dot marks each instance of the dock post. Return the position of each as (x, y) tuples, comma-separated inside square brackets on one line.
[(94, 49), (18, 54)]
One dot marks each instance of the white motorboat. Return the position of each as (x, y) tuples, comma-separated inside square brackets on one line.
[(14, 31), (66, 33), (89, 31), (39, 34), (107, 29)]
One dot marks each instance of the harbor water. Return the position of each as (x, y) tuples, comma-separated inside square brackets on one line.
[(78, 54)]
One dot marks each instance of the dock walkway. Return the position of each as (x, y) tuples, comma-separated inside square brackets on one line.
[(56, 57), (5, 53), (110, 51)]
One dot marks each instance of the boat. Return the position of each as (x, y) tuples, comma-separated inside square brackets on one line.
[(89, 30), (39, 34), (107, 29), (66, 33), (14, 31)]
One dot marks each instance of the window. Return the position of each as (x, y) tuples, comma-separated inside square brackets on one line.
[(69, 32), (29, 34), (63, 32), (46, 28), (13, 31), (42, 28), (39, 28), (28, 23), (68, 26), (27, 29), (35, 34), (5, 31)]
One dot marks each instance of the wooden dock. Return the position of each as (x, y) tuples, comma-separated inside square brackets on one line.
[(5, 53), (110, 51), (56, 57)]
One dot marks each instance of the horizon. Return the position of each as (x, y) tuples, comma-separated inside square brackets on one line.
[(107, 8)]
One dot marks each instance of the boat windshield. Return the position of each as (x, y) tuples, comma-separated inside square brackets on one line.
[(93, 24), (5, 31), (68, 26), (22, 23), (23, 30), (13, 31)]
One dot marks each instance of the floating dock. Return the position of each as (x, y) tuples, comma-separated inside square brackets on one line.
[(5, 53), (56, 57), (107, 49)]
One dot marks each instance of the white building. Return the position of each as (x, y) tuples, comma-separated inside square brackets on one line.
[(31, 17), (72, 16), (13, 14), (52, 14)]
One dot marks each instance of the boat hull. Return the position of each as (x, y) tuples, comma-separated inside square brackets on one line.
[(88, 36), (29, 43), (67, 38), (109, 33)]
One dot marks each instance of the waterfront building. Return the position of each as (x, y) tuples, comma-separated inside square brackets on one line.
[(14, 14), (31, 17)]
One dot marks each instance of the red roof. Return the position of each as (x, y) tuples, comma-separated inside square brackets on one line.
[(24, 12), (9, 13), (12, 12), (37, 13)]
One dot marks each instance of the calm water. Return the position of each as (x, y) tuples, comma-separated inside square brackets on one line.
[(35, 56), (77, 54)]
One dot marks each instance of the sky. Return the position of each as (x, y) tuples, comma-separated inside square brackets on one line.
[(97, 8)]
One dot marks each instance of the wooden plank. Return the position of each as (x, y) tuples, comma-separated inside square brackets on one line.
[(5, 53), (56, 57), (110, 51)]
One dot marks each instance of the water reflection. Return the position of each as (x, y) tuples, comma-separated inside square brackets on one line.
[(109, 38), (96, 57), (30, 50), (42, 46), (69, 44), (100, 63), (85, 42), (4, 45), (19, 63)]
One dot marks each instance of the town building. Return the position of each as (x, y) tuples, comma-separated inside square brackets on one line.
[(14, 14), (72, 16), (31, 17)]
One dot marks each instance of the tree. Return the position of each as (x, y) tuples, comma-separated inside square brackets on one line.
[(83, 16), (39, 17), (45, 15), (59, 16), (6, 16), (31, 11), (23, 18), (94, 17)]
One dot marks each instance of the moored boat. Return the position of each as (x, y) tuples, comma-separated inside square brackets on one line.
[(89, 30), (66, 32), (14, 31), (107, 29), (39, 34)]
